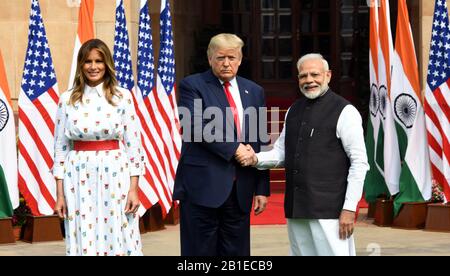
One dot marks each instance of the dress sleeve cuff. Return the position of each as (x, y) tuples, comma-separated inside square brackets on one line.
[(58, 172), (137, 169)]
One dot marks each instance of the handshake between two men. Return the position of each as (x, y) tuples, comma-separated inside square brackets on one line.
[(246, 156)]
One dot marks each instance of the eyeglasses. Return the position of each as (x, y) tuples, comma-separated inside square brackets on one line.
[(314, 75)]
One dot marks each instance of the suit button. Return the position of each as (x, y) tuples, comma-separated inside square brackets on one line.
[(303, 123), (297, 155), (300, 139), (295, 171)]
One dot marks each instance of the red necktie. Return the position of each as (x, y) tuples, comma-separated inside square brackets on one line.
[(233, 107)]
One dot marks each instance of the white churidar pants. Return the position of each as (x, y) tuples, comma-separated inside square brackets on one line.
[(318, 237)]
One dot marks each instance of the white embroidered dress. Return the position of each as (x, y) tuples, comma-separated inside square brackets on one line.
[(96, 183)]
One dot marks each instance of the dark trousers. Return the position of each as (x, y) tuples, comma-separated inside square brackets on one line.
[(223, 231)]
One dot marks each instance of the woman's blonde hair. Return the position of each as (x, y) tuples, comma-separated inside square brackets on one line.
[(109, 79)]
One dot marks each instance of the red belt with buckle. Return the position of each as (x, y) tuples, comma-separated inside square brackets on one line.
[(95, 145)]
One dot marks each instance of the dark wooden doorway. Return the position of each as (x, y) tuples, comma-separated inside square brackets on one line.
[(278, 32)]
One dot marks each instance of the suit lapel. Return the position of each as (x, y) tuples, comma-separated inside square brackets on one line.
[(216, 88)]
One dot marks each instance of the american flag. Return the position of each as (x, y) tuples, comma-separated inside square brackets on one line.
[(166, 74), (437, 97), (38, 100), (124, 73), (165, 87), (155, 121), (122, 55)]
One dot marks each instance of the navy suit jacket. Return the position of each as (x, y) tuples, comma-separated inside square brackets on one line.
[(206, 170)]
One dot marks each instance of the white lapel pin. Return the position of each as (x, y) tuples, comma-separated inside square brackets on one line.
[(246, 91)]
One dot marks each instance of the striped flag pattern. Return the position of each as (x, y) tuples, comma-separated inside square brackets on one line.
[(391, 154), (415, 179), (374, 184), (124, 73), (437, 98), (38, 100), (122, 55), (165, 96), (155, 122), (85, 32)]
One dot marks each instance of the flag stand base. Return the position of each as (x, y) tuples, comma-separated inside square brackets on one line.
[(42, 229), (153, 220), (6, 231), (438, 217), (384, 209), (142, 229), (173, 217), (412, 215), (371, 210)]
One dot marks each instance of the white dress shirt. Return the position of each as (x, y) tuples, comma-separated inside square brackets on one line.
[(349, 130)]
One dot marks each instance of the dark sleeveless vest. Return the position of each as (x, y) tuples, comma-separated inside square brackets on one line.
[(315, 161)]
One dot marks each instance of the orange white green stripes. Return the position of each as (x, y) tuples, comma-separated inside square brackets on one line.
[(84, 33), (415, 179), (8, 152)]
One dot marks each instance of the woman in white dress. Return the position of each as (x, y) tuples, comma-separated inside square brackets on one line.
[(98, 159)]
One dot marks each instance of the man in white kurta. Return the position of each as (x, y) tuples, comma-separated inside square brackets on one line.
[(323, 237)]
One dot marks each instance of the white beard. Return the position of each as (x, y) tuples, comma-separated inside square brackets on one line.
[(315, 94)]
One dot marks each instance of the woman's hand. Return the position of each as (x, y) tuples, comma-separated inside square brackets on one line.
[(61, 207), (132, 202)]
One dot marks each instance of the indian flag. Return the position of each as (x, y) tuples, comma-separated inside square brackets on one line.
[(6, 209), (85, 32), (375, 184), (9, 191), (415, 179), (391, 154)]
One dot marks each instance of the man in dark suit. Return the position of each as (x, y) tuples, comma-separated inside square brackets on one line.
[(214, 191)]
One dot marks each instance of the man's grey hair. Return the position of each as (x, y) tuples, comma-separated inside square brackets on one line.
[(311, 56)]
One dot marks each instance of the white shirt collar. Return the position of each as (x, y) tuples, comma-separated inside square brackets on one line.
[(96, 89), (232, 82)]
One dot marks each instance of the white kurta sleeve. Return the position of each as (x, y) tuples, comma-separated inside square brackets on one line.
[(62, 143), (132, 136), (275, 157), (350, 131)]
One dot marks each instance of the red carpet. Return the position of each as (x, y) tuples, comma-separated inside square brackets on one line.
[(361, 205), (274, 213)]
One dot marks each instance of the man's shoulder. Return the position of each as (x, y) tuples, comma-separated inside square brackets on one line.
[(344, 105), (339, 98), (197, 77), (296, 104), (191, 78), (247, 82)]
